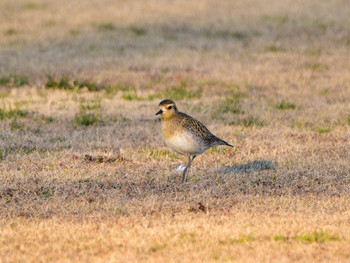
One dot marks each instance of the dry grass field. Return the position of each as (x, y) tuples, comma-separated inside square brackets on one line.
[(85, 175)]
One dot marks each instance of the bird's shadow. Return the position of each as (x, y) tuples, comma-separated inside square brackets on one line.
[(250, 167)]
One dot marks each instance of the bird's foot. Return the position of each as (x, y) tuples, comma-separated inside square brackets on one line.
[(180, 168)]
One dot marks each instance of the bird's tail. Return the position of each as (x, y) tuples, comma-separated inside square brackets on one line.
[(226, 143), (222, 142)]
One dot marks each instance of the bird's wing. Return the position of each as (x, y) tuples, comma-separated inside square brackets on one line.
[(199, 130)]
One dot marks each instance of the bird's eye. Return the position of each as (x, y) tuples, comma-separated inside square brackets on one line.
[(169, 108)]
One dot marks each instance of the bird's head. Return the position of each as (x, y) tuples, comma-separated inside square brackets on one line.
[(167, 108)]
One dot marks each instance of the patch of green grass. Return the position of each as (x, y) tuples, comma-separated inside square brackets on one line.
[(91, 105), (239, 35), (279, 238), (30, 150), (323, 130), (19, 103), (285, 105), (321, 26), (138, 31), (153, 82), (107, 27), (5, 94), (278, 19), (3, 154), (301, 125), (319, 237), (42, 94), (7, 114), (158, 247), (244, 239), (32, 5), (92, 48), (15, 125), (74, 32), (249, 121), (188, 235), (218, 83), (118, 118), (17, 42), (180, 91), (45, 119), (348, 119), (19, 80), (325, 92), (86, 119), (89, 84), (57, 139), (213, 150), (121, 86), (165, 70), (313, 51), (274, 48), (50, 23), (235, 94), (85, 180), (61, 83), (132, 96), (125, 87), (199, 108), (11, 31), (14, 79), (230, 105), (157, 153), (283, 19), (46, 192), (316, 66)]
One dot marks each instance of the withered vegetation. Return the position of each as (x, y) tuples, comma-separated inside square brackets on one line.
[(85, 175)]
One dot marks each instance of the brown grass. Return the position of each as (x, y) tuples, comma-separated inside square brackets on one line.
[(270, 77)]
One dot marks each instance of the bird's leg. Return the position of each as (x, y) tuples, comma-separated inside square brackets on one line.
[(187, 169), (184, 175)]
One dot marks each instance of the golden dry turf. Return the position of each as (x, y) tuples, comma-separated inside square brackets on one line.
[(85, 175)]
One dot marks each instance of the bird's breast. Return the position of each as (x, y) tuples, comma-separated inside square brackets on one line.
[(184, 143)]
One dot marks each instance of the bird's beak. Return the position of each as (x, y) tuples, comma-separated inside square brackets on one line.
[(159, 112)]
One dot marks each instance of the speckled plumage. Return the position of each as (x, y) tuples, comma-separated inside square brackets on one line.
[(184, 134), (181, 123)]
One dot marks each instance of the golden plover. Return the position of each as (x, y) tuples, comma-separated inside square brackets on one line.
[(184, 134)]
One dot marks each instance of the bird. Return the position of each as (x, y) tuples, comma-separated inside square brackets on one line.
[(184, 134)]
